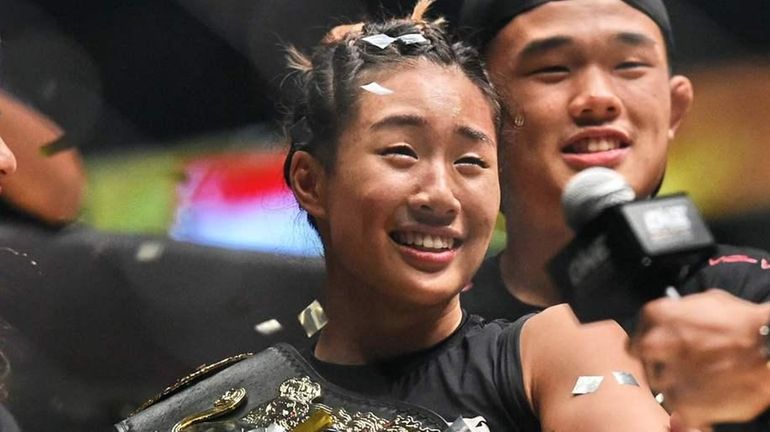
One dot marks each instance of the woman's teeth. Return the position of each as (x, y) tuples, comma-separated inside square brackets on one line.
[(424, 241)]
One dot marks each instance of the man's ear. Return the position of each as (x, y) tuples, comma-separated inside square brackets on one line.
[(681, 101), (307, 182)]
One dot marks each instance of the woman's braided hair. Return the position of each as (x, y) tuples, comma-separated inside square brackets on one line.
[(329, 80)]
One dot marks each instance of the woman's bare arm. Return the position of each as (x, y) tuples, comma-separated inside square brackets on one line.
[(556, 350)]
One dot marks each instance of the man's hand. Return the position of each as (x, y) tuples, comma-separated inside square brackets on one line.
[(705, 354), (678, 425)]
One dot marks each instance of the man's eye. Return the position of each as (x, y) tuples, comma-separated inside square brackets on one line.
[(550, 74), (399, 150), (632, 69), (631, 65), (472, 160), (550, 70)]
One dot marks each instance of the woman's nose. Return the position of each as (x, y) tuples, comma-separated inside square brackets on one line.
[(435, 203)]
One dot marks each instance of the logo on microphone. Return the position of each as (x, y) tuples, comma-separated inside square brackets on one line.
[(668, 224), (588, 261)]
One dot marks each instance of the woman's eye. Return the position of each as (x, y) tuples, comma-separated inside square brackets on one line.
[(399, 150), (472, 160)]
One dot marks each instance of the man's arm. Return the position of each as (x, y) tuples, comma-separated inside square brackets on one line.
[(556, 350), (706, 355)]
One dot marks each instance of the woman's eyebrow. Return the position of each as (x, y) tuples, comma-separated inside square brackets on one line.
[(399, 120), (474, 134)]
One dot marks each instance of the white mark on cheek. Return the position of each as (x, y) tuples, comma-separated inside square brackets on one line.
[(377, 89)]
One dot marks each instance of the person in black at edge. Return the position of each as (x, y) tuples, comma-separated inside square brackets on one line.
[(394, 159), (588, 83), (7, 168), (37, 188)]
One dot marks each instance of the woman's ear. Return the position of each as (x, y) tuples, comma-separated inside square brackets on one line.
[(307, 182), (681, 101)]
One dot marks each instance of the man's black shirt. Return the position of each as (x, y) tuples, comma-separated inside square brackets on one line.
[(490, 298), (743, 272)]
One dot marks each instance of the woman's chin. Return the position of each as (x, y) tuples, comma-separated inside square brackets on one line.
[(433, 292)]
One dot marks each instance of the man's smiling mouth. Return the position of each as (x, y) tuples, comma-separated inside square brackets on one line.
[(595, 145)]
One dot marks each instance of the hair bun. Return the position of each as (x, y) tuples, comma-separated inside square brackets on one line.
[(340, 32)]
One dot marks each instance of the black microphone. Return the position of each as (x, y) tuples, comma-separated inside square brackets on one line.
[(626, 252)]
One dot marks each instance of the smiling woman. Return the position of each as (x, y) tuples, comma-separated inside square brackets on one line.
[(394, 158), (396, 166), (414, 187)]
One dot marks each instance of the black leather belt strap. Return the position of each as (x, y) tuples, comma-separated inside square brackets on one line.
[(261, 375)]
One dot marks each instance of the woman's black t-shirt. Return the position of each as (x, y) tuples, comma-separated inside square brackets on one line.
[(475, 374)]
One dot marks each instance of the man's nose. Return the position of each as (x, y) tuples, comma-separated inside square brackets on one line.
[(596, 100)]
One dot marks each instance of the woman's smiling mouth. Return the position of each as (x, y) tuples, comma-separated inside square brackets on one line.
[(426, 252), (425, 242)]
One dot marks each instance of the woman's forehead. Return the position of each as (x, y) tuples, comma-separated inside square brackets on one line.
[(425, 87)]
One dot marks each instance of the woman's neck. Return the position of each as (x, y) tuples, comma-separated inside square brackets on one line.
[(364, 327)]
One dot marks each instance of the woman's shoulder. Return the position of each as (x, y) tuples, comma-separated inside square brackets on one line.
[(483, 330), (557, 329)]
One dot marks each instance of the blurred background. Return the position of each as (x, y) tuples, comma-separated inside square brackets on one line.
[(188, 240)]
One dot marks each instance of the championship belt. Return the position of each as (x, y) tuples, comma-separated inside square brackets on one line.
[(273, 391)]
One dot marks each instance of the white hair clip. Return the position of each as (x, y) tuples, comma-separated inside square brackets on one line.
[(415, 38), (381, 41)]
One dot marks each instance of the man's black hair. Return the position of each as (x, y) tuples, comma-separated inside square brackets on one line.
[(483, 19)]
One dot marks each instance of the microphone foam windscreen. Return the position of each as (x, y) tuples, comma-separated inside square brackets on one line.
[(590, 192)]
